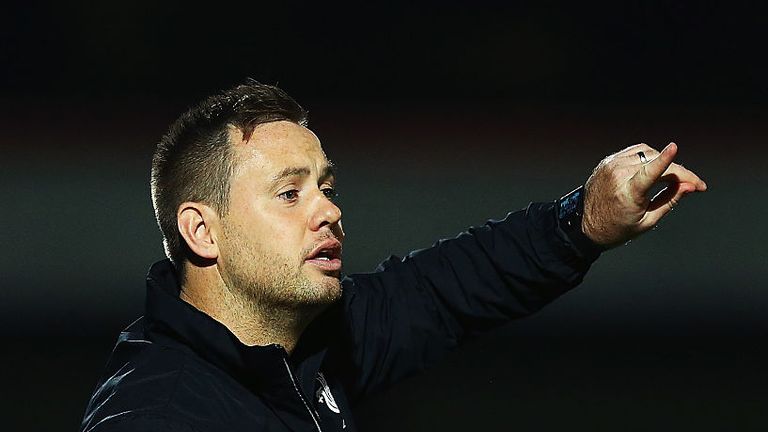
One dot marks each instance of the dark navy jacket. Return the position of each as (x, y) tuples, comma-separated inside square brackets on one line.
[(176, 369)]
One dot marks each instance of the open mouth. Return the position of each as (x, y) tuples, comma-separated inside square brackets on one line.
[(326, 256)]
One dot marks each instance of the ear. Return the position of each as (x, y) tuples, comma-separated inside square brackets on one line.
[(196, 223)]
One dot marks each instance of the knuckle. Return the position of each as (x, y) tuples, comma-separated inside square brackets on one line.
[(631, 149), (671, 204)]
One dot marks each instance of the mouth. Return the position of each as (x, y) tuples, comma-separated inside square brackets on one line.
[(326, 256)]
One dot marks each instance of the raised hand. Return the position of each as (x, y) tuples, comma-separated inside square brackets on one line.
[(617, 202)]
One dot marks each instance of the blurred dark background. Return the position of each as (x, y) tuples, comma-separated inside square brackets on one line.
[(441, 115)]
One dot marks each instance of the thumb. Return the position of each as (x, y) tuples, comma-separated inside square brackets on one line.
[(665, 201)]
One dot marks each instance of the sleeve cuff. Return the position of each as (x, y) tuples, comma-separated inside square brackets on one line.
[(579, 242)]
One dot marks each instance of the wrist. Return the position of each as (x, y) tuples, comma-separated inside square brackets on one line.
[(569, 211)]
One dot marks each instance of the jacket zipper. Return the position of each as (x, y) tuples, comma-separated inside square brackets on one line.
[(296, 387)]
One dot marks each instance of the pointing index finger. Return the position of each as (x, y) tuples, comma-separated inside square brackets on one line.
[(651, 172)]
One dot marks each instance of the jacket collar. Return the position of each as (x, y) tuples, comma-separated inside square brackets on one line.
[(259, 368)]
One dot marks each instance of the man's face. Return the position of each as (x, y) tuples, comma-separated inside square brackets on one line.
[(281, 238)]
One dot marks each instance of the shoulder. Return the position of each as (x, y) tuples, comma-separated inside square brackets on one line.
[(149, 386)]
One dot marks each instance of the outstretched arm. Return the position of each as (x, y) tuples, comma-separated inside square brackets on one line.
[(411, 311)]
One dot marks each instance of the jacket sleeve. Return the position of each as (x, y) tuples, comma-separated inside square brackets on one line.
[(412, 311)]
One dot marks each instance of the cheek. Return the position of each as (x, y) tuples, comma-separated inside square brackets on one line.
[(273, 229), (281, 235)]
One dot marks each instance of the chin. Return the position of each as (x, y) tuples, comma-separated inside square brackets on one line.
[(317, 290), (329, 290)]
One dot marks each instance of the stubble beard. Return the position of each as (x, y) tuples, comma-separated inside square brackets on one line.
[(273, 284)]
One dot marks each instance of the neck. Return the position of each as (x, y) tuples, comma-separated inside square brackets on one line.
[(252, 323)]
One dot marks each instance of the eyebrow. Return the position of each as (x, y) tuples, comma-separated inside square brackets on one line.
[(326, 172)]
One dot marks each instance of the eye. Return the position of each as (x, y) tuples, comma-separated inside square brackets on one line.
[(289, 195), (330, 193)]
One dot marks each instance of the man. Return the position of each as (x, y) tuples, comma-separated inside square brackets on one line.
[(248, 325)]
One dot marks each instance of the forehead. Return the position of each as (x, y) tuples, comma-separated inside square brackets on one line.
[(274, 146)]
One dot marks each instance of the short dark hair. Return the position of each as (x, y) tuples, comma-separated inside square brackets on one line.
[(194, 160)]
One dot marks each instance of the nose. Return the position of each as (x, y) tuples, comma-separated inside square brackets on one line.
[(326, 213)]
